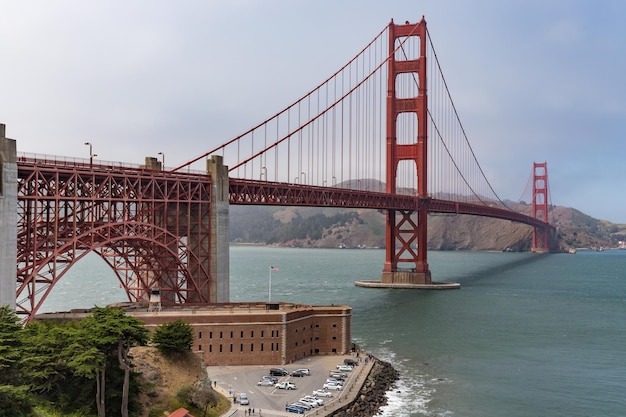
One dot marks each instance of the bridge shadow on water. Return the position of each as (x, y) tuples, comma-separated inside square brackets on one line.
[(492, 270)]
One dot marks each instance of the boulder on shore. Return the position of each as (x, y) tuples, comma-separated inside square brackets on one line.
[(372, 395)]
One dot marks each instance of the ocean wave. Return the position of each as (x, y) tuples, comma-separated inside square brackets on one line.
[(412, 393)]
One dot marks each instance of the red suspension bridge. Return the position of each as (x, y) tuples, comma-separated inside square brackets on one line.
[(377, 134)]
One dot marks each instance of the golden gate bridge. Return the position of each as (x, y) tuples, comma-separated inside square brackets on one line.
[(381, 133)]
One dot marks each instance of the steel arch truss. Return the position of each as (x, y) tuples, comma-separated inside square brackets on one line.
[(153, 230)]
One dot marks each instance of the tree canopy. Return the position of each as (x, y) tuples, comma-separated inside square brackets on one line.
[(14, 398), (68, 363), (174, 337)]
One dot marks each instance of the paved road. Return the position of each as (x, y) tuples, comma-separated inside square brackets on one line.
[(270, 401)]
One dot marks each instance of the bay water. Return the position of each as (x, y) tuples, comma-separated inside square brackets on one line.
[(525, 335)]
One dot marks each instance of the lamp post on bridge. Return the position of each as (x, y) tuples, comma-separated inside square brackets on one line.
[(162, 160), (303, 175), (263, 173), (91, 154)]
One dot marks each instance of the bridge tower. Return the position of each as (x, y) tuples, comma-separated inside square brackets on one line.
[(8, 219), (406, 238), (540, 205)]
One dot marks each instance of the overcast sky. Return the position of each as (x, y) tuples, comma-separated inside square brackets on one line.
[(533, 80)]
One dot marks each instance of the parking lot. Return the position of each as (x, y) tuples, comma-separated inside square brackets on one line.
[(233, 380)]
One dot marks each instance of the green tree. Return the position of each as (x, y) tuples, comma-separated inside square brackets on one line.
[(106, 332), (45, 364), (174, 337), (42, 342), (14, 399), (10, 343)]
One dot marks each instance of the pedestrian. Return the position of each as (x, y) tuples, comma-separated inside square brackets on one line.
[(249, 412), (253, 411)]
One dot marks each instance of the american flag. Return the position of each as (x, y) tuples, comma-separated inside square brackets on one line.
[(273, 269)]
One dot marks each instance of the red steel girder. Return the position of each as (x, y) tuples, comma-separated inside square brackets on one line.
[(455, 207), (254, 192), (152, 228)]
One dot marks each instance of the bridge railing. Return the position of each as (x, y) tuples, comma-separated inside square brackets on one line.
[(86, 163), (69, 161)]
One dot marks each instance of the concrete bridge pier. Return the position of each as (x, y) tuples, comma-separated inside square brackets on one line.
[(8, 219), (407, 277), (220, 249)]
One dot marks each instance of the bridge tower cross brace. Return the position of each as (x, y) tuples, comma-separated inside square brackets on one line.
[(406, 239), (540, 206)]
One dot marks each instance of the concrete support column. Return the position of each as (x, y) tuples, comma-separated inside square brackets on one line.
[(220, 251), (8, 220)]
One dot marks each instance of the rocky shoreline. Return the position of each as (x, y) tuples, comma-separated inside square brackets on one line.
[(372, 394)]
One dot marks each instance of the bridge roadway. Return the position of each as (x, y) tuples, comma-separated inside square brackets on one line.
[(253, 192), (256, 192), (270, 402)]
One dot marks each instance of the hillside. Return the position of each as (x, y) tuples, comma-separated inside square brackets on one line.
[(162, 377), (352, 228)]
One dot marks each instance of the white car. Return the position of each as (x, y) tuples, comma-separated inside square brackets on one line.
[(305, 371), (344, 368), (265, 383), (315, 400), (332, 386), (285, 385), (243, 399), (322, 393), (313, 404)]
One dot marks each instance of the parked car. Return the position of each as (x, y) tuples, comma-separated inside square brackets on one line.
[(285, 385), (335, 381), (315, 400), (279, 372), (337, 374), (305, 371), (266, 383), (307, 402), (332, 386), (322, 393), (243, 399), (351, 362), (344, 368), (298, 373), (300, 404), (271, 378), (294, 409)]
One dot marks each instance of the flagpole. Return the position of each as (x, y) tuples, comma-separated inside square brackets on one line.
[(269, 291)]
